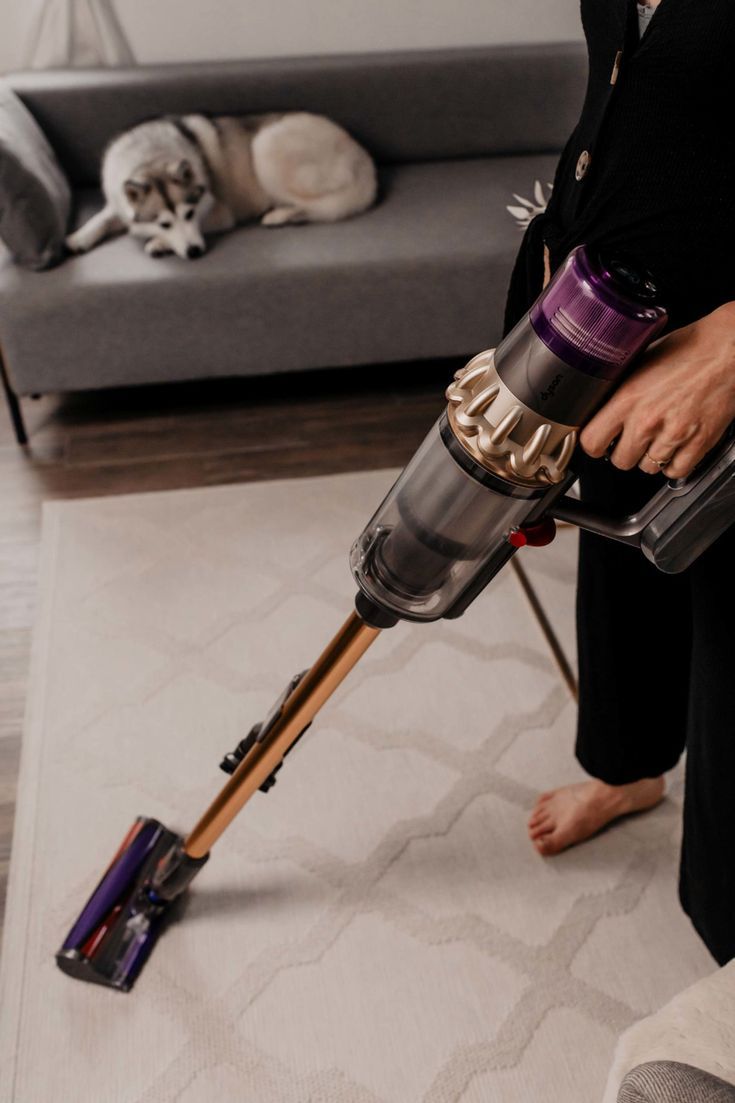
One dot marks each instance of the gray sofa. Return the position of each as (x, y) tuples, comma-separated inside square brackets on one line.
[(423, 274)]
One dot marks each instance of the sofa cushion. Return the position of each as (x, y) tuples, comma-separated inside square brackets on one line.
[(404, 106), (34, 194), (423, 274)]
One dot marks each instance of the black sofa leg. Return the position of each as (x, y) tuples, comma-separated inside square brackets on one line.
[(16, 414)]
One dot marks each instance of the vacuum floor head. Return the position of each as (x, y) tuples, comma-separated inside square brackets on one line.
[(120, 923)]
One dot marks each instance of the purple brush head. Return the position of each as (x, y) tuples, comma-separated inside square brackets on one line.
[(116, 930), (598, 312)]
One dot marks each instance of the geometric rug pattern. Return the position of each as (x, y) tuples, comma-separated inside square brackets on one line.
[(377, 928)]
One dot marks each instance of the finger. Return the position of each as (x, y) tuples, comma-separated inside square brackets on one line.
[(686, 458), (605, 426), (630, 449), (687, 441), (658, 450), (648, 467)]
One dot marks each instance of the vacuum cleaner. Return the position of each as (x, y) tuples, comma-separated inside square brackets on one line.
[(490, 477)]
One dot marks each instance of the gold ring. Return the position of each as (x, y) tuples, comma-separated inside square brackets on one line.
[(659, 463)]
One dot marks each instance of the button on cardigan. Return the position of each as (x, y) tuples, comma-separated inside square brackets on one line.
[(656, 134)]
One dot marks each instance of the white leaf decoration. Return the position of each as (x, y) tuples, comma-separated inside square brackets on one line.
[(529, 208)]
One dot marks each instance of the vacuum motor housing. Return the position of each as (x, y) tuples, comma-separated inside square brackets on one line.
[(499, 455)]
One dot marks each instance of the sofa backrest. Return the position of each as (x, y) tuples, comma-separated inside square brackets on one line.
[(403, 105)]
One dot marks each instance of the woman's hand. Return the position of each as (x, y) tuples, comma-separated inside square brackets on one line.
[(676, 405)]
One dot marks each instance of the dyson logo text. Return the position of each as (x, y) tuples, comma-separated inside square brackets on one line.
[(551, 387)]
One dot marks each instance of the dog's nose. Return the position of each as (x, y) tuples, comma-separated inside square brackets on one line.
[(194, 251)]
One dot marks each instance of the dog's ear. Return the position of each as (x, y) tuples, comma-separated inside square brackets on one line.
[(182, 173), (135, 190)]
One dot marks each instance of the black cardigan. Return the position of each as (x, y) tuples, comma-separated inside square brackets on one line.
[(657, 126)]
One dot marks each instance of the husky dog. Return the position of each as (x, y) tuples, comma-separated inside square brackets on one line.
[(172, 180)]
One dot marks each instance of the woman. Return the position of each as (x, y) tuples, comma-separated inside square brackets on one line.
[(650, 168)]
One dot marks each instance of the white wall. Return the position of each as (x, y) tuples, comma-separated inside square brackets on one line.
[(13, 27), (258, 28), (173, 30)]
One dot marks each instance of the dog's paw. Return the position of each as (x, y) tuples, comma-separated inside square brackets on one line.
[(156, 248), (76, 244), (281, 216)]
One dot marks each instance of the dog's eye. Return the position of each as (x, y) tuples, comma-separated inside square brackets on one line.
[(189, 215), (165, 225)]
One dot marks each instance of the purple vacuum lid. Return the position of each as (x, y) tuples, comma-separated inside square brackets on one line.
[(598, 312)]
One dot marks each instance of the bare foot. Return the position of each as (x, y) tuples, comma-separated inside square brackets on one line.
[(564, 817)]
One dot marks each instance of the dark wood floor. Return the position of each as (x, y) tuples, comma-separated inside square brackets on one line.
[(159, 438)]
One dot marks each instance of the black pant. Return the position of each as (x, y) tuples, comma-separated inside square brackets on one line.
[(656, 675), (656, 670)]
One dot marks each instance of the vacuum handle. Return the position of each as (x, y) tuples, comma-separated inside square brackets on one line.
[(679, 522), (626, 530)]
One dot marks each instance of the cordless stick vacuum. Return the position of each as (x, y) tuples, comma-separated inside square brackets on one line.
[(489, 478)]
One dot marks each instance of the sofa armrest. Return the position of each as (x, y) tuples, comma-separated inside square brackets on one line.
[(696, 1027), (672, 1082)]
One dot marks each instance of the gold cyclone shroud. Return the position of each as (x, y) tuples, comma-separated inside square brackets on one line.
[(489, 477)]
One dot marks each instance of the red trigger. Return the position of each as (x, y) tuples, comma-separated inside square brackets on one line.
[(537, 535)]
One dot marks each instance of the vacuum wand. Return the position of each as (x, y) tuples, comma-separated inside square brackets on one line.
[(110, 941), (488, 479), (291, 721)]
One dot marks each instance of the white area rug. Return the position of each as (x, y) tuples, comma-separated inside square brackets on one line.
[(377, 929)]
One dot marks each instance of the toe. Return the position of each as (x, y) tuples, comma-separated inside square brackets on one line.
[(548, 844), (541, 807), (541, 844)]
